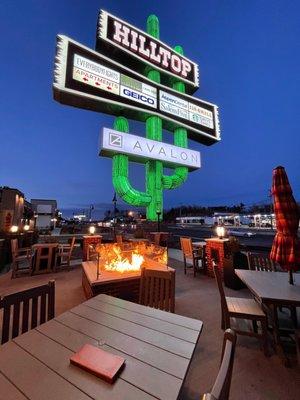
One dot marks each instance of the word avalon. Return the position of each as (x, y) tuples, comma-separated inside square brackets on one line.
[(141, 149)]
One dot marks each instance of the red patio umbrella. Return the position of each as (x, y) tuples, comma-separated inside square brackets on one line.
[(286, 245)]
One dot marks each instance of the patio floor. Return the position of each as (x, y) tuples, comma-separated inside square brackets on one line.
[(255, 377)]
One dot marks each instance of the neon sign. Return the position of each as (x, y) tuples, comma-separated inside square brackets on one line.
[(132, 43), (87, 79)]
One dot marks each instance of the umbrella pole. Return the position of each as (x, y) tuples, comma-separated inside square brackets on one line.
[(291, 280)]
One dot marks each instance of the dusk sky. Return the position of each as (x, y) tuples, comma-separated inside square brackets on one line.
[(249, 56)]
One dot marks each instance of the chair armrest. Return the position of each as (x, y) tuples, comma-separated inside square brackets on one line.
[(27, 250), (208, 396)]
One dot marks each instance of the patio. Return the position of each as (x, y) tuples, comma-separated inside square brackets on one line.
[(254, 376)]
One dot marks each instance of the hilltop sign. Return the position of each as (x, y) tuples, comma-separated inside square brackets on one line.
[(133, 75), (87, 79), (141, 149), (125, 43)]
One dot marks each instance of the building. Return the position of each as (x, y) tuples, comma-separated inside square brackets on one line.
[(45, 212), (11, 208)]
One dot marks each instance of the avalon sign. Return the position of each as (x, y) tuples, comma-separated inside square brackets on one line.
[(87, 79), (141, 149), (137, 48)]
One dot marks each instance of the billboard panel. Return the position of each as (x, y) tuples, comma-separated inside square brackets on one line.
[(86, 79), (141, 149), (127, 44)]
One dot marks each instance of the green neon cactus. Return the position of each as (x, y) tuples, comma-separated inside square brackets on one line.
[(156, 181)]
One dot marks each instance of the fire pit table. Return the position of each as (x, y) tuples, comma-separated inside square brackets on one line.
[(103, 276)]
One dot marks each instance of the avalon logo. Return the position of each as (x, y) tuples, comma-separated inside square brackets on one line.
[(115, 140), (141, 150)]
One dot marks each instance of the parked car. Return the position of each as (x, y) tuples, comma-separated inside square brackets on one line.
[(232, 232)]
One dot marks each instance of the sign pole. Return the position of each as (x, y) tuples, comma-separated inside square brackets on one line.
[(154, 169)]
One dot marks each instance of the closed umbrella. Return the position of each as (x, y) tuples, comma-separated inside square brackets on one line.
[(286, 245)]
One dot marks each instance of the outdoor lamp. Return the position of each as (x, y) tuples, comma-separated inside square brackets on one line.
[(26, 227), (14, 229), (220, 232), (92, 229)]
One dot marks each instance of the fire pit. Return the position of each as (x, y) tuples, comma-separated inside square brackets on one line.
[(118, 268)]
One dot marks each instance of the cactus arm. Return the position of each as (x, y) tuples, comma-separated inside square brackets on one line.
[(120, 174), (180, 139)]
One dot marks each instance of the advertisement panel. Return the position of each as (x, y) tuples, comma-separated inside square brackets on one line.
[(141, 149), (86, 79)]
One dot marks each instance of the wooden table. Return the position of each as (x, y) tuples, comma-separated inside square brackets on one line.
[(41, 254), (158, 347), (273, 290), (272, 287)]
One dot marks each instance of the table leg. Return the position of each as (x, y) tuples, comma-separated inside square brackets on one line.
[(276, 335)]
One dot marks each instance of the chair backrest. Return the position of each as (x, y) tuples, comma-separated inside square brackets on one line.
[(35, 306), (260, 262), (72, 244), (220, 286), (157, 289), (157, 237), (186, 246), (221, 388), (92, 254), (119, 239), (14, 248)]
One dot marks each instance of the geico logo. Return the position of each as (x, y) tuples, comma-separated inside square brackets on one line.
[(135, 95)]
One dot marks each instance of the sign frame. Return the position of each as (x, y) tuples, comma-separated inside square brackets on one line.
[(76, 96), (104, 44)]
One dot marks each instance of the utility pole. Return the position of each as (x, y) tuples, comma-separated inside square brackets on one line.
[(90, 212)]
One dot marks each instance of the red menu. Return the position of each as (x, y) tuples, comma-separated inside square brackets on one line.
[(99, 362)]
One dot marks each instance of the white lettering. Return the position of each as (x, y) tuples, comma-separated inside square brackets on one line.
[(186, 68), (175, 63), (137, 146), (162, 151), (144, 52), (134, 37), (166, 54), (121, 36), (150, 149), (154, 57), (183, 155)]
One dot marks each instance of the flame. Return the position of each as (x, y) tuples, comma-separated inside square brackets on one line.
[(129, 257)]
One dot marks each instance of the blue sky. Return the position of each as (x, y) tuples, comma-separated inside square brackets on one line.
[(249, 57)]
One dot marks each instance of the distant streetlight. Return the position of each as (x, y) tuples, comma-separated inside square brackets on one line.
[(92, 229), (220, 232), (14, 229)]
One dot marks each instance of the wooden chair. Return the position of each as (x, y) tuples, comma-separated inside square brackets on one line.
[(221, 388), (157, 289), (92, 254), (242, 309), (64, 254), (260, 262), (193, 254), (156, 239), (21, 259), (34, 311)]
